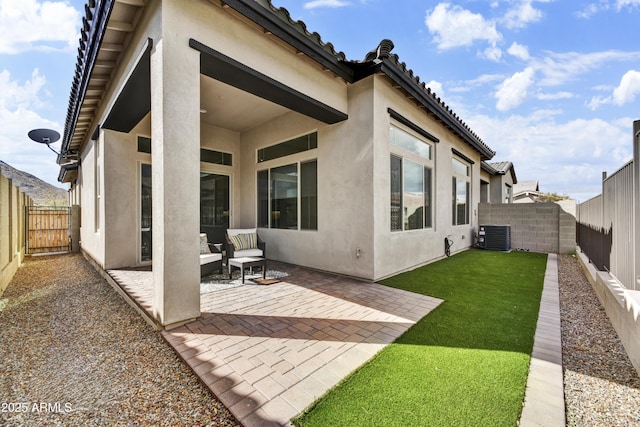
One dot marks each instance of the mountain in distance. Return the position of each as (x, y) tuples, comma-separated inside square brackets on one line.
[(42, 193)]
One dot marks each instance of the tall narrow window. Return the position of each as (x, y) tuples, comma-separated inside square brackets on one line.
[(413, 196), (428, 218), (309, 195), (145, 212), (284, 197), (461, 194), (263, 198), (396, 193)]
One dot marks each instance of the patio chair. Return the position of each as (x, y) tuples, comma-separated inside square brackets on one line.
[(210, 257), (244, 242)]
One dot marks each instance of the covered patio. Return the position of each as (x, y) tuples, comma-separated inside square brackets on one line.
[(268, 351)]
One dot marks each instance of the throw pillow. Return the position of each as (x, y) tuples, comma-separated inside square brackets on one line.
[(204, 247), (244, 241)]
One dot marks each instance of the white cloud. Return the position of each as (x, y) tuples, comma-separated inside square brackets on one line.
[(559, 68), (326, 3), (554, 96), (627, 3), (436, 87), (514, 90), (628, 89), (566, 157), (625, 93), (521, 15), (27, 25), (454, 26), (592, 9), (519, 51), (14, 96), (18, 104), (492, 53)]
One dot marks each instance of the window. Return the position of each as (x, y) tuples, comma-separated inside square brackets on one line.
[(145, 212), (409, 142), (288, 197), (287, 148), (207, 156), (216, 157), (461, 187), (411, 182), (144, 144)]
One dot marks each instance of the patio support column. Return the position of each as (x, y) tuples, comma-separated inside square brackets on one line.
[(175, 136)]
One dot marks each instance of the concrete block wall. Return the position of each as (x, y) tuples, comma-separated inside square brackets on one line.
[(537, 227), (621, 305), (12, 203)]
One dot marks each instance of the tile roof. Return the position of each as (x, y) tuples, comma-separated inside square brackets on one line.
[(279, 22)]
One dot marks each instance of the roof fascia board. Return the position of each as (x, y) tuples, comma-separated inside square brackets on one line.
[(227, 70), (283, 30), (101, 15), (400, 78)]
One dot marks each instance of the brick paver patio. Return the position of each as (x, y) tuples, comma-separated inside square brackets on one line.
[(268, 351)]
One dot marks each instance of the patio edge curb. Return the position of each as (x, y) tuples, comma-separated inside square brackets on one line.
[(544, 395)]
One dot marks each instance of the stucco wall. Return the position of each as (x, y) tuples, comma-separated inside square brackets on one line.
[(404, 250), (538, 227), (12, 239), (344, 190)]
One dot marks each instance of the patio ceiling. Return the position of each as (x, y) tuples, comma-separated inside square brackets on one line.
[(234, 109)]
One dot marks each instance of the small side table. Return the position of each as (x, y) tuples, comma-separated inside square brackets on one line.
[(248, 262)]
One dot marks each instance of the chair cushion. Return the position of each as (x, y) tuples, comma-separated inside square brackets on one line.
[(204, 247), (207, 258), (248, 253), (244, 241)]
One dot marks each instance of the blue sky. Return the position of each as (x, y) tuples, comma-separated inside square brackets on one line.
[(551, 85)]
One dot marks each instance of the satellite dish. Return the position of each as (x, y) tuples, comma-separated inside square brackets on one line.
[(44, 136)]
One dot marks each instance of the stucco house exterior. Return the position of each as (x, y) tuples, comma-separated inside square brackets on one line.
[(198, 116), (497, 180)]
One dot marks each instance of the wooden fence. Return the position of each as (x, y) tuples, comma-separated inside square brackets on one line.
[(48, 229)]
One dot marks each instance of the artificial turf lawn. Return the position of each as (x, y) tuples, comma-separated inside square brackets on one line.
[(464, 364)]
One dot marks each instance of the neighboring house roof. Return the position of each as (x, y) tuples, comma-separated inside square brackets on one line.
[(524, 186), (526, 189), (501, 168), (101, 47)]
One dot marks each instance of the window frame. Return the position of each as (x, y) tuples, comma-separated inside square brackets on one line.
[(457, 179), (300, 158), (428, 169)]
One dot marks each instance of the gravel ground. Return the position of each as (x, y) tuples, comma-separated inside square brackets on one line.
[(73, 353), (601, 386)]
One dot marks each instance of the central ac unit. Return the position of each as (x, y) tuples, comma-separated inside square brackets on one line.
[(495, 237)]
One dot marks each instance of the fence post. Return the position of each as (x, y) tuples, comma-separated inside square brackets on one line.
[(636, 203)]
